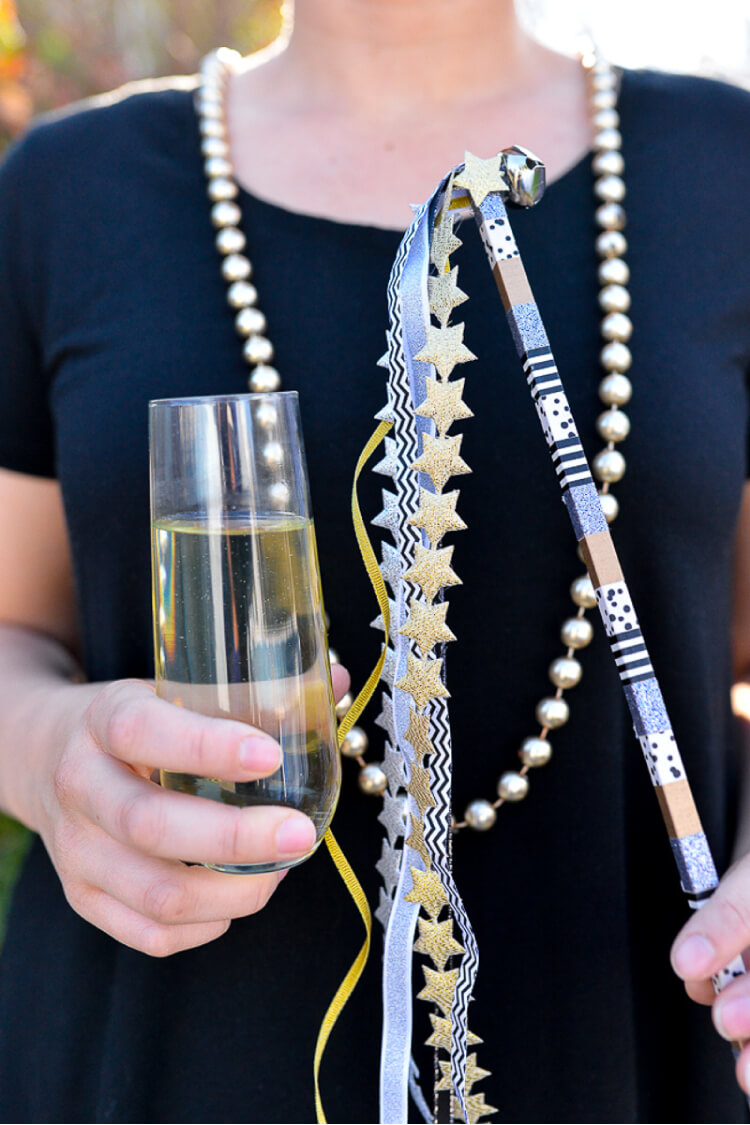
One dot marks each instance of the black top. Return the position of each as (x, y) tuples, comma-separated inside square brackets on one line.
[(111, 295)]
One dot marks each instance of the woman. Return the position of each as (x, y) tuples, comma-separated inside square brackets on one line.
[(112, 295)]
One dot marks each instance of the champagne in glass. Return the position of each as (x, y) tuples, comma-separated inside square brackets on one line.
[(238, 616)]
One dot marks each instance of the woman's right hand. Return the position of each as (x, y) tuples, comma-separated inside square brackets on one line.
[(117, 839)]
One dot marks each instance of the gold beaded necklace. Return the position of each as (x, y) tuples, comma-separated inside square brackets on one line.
[(613, 425)]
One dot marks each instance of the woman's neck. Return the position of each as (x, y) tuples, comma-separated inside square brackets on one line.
[(387, 59)]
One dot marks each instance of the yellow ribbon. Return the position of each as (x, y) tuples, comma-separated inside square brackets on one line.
[(349, 983)]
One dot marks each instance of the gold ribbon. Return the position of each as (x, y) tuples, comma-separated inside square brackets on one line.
[(349, 983)]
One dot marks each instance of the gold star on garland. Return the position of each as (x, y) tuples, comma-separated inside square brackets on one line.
[(474, 1073), (437, 514), (444, 404), (432, 570), (427, 891), (436, 940), (422, 680), (442, 1031), (426, 625), (417, 734), (445, 348), (439, 988), (415, 840), (444, 242), (445, 295), (480, 177), (441, 459), (476, 1107), (419, 788)]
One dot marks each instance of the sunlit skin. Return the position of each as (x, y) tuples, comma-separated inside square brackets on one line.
[(341, 102)]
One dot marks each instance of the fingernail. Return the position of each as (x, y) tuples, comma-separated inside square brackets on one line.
[(693, 957), (259, 754), (732, 1018), (295, 835)]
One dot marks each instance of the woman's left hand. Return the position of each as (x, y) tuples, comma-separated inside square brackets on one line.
[(710, 941)]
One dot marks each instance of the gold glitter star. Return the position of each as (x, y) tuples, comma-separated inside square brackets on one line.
[(445, 348), (432, 570), (417, 734), (445, 294), (441, 459), (422, 680), (480, 177), (436, 940), (427, 891), (444, 404), (476, 1107), (442, 1031), (474, 1073), (415, 840), (419, 788), (439, 988), (437, 514), (444, 242), (426, 625)]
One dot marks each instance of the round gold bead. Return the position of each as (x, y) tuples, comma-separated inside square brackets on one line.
[(480, 815), (610, 506), (609, 465), (604, 80), (343, 705), (236, 267), (212, 127), (214, 146), (512, 786), (273, 454), (372, 780), (565, 672), (613, 425), (258, 349), (582, 592), (615, 357), (355, 744), (333, 657), (608, 140), (576, 632), (610, 216), (225, 214), (220, 189), (607, 118), (250, 321), (535, 752), (610, 189), (604, 99), (217, 166), (241, 293), (230, 240), (617, 326), (579, 553), (279, 496), (613, 271), (615, 389), (266, 415), (608, 163), (264, 379), (611, 244), (552, 713), (614, 298)]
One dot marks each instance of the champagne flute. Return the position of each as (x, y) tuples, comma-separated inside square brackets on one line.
[(239, 628)]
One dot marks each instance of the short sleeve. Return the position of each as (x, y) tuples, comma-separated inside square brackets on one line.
[(26, 427)]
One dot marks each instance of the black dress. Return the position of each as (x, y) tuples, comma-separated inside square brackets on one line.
[(111, 295)]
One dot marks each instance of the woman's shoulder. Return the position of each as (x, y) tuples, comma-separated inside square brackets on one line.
[(92, 138), (688, 106)]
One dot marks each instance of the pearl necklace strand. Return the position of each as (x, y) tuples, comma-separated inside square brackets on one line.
[(613, 425)]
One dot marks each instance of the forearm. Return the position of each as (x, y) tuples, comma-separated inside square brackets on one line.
[(39, 700)]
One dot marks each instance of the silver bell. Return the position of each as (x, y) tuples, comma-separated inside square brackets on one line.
[(525, 174)]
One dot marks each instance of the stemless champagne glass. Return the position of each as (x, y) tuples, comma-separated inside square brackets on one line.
[(239, 626)]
